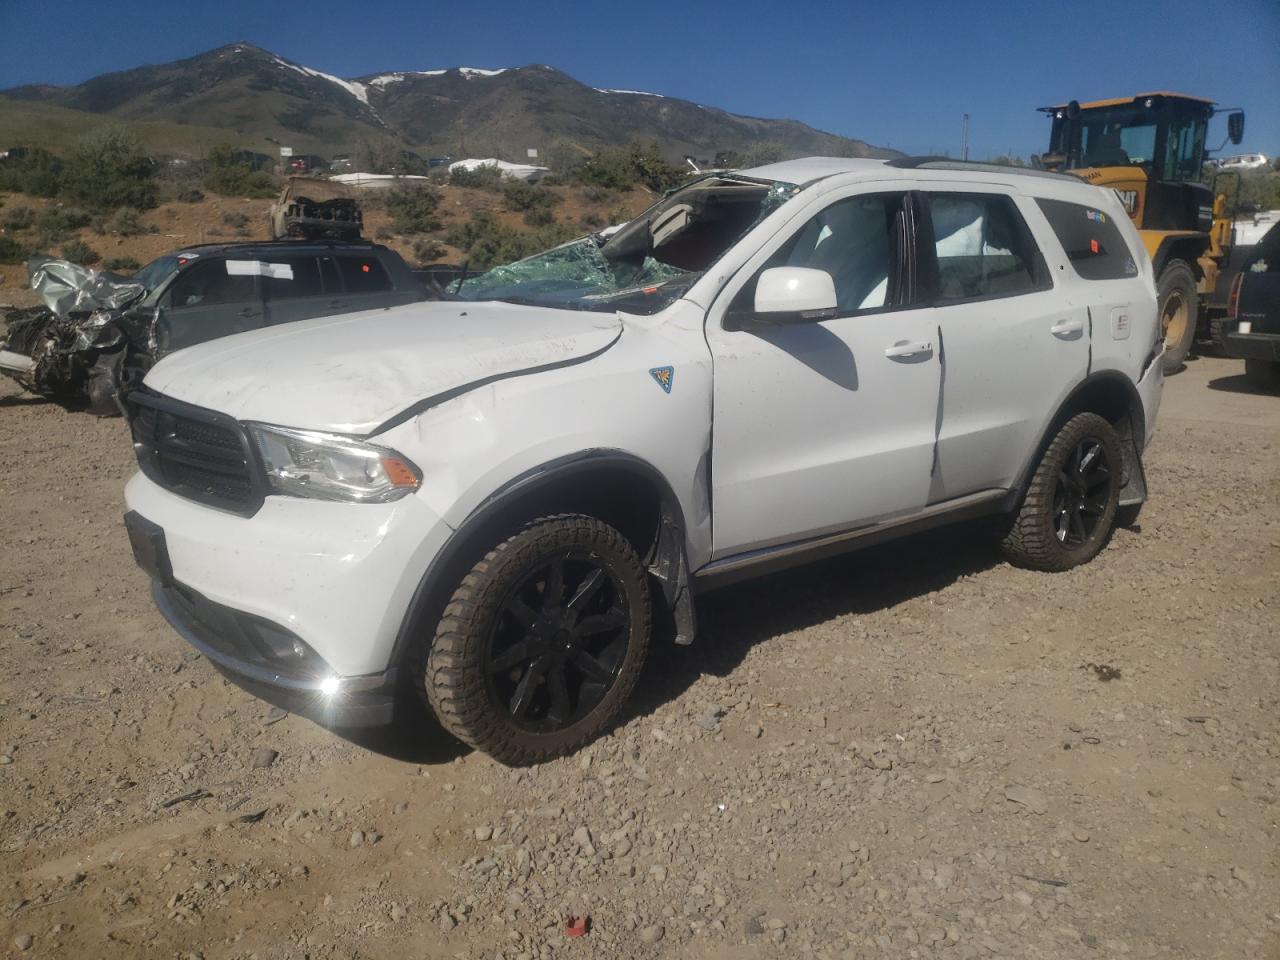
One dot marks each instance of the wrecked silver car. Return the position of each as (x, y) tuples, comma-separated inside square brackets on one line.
[(310, 208), (71, 348)]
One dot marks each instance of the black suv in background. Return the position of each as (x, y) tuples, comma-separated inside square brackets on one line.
[(193, 295), (1251, 331)]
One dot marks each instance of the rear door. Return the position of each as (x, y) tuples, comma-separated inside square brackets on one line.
[(1012, 346), (298, 287), (213, 297)]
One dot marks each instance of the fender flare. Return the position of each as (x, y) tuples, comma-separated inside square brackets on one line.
[(1134, 489), (1164, 252), (667, 560)]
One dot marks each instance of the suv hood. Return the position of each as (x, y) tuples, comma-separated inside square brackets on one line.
[(354, 372)]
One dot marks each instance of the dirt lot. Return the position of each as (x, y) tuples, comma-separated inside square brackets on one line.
[(917, 751)]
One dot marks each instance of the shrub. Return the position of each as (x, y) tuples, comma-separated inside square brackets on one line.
[(235, 220), (11, 251), (592, 221), (413, 209), (123, 223), (486, 242), (38, 174), (58, 223), (598, 195), (110, 170), (228, 173), (621, 168), (481, 178), (519, 196), (19, 218), (539, 217), (383, 233), (122, 264), (77, 251), (189, 196), (426, 250)]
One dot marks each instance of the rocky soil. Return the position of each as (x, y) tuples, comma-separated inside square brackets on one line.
[(914, 752)]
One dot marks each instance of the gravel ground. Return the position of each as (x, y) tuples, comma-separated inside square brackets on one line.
[(916, 751)]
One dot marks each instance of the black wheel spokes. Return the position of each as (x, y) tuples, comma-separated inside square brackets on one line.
[(1081, 494), (559, 643)]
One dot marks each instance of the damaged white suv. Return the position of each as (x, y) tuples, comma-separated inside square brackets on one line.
[(496, 499)]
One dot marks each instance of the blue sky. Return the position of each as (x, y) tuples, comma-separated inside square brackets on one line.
[(896, 74)]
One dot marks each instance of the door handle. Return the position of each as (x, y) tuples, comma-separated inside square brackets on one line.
[(908, 350), (1067, 328), (248, 312)]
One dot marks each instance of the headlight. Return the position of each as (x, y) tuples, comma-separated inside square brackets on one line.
[(326, 467)]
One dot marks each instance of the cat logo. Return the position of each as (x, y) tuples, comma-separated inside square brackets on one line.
[(1130, 200), (664, 376)]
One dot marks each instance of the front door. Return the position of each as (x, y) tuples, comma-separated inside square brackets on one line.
[(211, 298), (824, 425)]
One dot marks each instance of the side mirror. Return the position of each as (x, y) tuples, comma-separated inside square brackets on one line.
[(795, 295), (1235, 127)]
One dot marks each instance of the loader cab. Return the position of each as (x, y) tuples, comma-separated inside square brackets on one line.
[(1150, 148)]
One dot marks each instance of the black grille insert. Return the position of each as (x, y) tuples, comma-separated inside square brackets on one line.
[(196, 453)]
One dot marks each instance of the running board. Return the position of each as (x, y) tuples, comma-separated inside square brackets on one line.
[(742, 566)]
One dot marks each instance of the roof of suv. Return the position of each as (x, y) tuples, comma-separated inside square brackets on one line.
[(277, 247), (807, 170)]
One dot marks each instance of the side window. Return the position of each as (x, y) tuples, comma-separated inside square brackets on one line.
[(292, 277), (856, 241), (983, 247), (1091, 240), (206, 282), (363, 274)]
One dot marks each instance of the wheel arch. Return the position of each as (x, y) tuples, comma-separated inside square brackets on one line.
[(621, 489), (1185, 247), (1114, 397)]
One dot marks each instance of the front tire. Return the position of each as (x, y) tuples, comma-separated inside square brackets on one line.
[(1179, 312), (542, 643), (1070, 506)]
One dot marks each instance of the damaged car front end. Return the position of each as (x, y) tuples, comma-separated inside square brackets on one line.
[(73, 349)]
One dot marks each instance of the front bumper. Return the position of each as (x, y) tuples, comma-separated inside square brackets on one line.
[(225, 637), (340, 577), (1252, 346)]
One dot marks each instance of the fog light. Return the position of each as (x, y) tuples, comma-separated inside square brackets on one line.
[(329, 686)]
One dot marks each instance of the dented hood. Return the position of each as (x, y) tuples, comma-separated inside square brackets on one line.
[(355, 372)]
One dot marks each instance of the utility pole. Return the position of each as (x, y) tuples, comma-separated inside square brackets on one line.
[(964, 147)]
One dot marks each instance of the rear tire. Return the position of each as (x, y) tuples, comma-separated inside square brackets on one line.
[(1069, 509), (529, 663), (1179, 309), (1263, 374)]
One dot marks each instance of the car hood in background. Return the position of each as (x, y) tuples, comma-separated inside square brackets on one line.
[(355, 372)]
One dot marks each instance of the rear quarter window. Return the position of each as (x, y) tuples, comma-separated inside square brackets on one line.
[(363, 274), (1091, 239)]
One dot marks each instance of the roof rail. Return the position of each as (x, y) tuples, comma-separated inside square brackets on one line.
[(948, 163)]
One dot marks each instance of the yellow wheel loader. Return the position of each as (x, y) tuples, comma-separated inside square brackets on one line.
[(1151, 149)]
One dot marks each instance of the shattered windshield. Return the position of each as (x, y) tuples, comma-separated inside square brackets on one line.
[(156, 272), (645, 264)]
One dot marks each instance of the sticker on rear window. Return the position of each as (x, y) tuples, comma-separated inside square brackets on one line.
[(1096, 215), (256, 268)]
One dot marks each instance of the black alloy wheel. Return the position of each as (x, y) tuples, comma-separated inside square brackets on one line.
[(1083, 492), (542, 642), (557, 646)]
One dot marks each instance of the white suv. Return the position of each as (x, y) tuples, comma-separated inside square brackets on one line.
[(496, 499)]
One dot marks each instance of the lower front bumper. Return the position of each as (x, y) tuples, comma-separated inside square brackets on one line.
[(1252, 346), (329, 700)]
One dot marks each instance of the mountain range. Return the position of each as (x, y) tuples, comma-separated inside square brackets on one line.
[(254, 95)]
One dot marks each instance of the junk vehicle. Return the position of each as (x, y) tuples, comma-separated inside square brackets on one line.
[(1151, 149), (99, 333), (496, 501), (310, 208), (1251, 331)]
